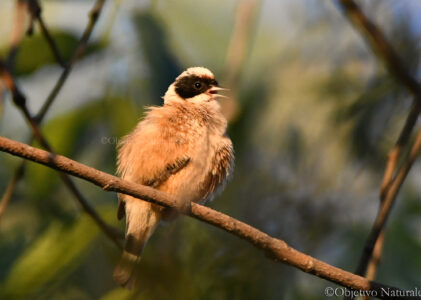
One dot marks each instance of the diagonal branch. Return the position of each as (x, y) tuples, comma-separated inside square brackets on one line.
[(388, 202), (238, 49), (391, 167), (35, 10), (380, 45), (80, 49), (274, 248), (7, 196), (396, 151), (50, 41)]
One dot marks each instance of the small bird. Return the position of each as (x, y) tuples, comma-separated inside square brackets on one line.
[(180, 148)]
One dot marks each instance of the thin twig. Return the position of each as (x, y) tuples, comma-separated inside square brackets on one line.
[(375, 259), (240, 39), (7, 196), (387, 205), (238, 49), (379, 44), (395, 153), (274, 248), (8, 81), (1, 100), (94, 14), (11, 186), (390, 170), (50, 41), (35, 10)]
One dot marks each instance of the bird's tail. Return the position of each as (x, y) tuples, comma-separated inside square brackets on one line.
[(141, 220)]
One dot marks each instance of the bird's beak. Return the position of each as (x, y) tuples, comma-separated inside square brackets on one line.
[(214, 91)]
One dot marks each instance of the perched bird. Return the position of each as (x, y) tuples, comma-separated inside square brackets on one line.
[(180, 148)]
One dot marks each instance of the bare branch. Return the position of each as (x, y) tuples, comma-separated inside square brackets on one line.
[(375, 259), (94, 15), (50, 41), (274, 248), (240, 39), (379, 44), (387, 205), (237, 52), (35, 10), (9, 82), (7, 196), (390, 170), (394, 154)]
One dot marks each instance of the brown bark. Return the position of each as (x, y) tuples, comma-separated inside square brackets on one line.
[(274, 248)]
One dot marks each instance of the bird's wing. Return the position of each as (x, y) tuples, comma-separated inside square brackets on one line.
[(222, 165), (155, 182), (149, 157), (170, 169)]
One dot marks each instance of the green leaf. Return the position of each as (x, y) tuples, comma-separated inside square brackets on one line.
[(53, 255), (34, 51)]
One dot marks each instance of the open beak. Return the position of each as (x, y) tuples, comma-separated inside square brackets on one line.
[(214, 91)]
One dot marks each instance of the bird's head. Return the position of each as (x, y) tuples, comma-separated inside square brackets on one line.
[(196, 85)]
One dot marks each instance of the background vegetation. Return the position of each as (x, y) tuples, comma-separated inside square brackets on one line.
[(315, 116)]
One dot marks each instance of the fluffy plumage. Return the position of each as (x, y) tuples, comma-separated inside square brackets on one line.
[(179, 148)]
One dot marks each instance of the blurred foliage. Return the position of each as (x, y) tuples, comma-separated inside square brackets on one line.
[(162, 63), (35, 53), (318, 116)]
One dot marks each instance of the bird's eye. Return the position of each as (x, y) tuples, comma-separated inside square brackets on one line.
[(197, 85)]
